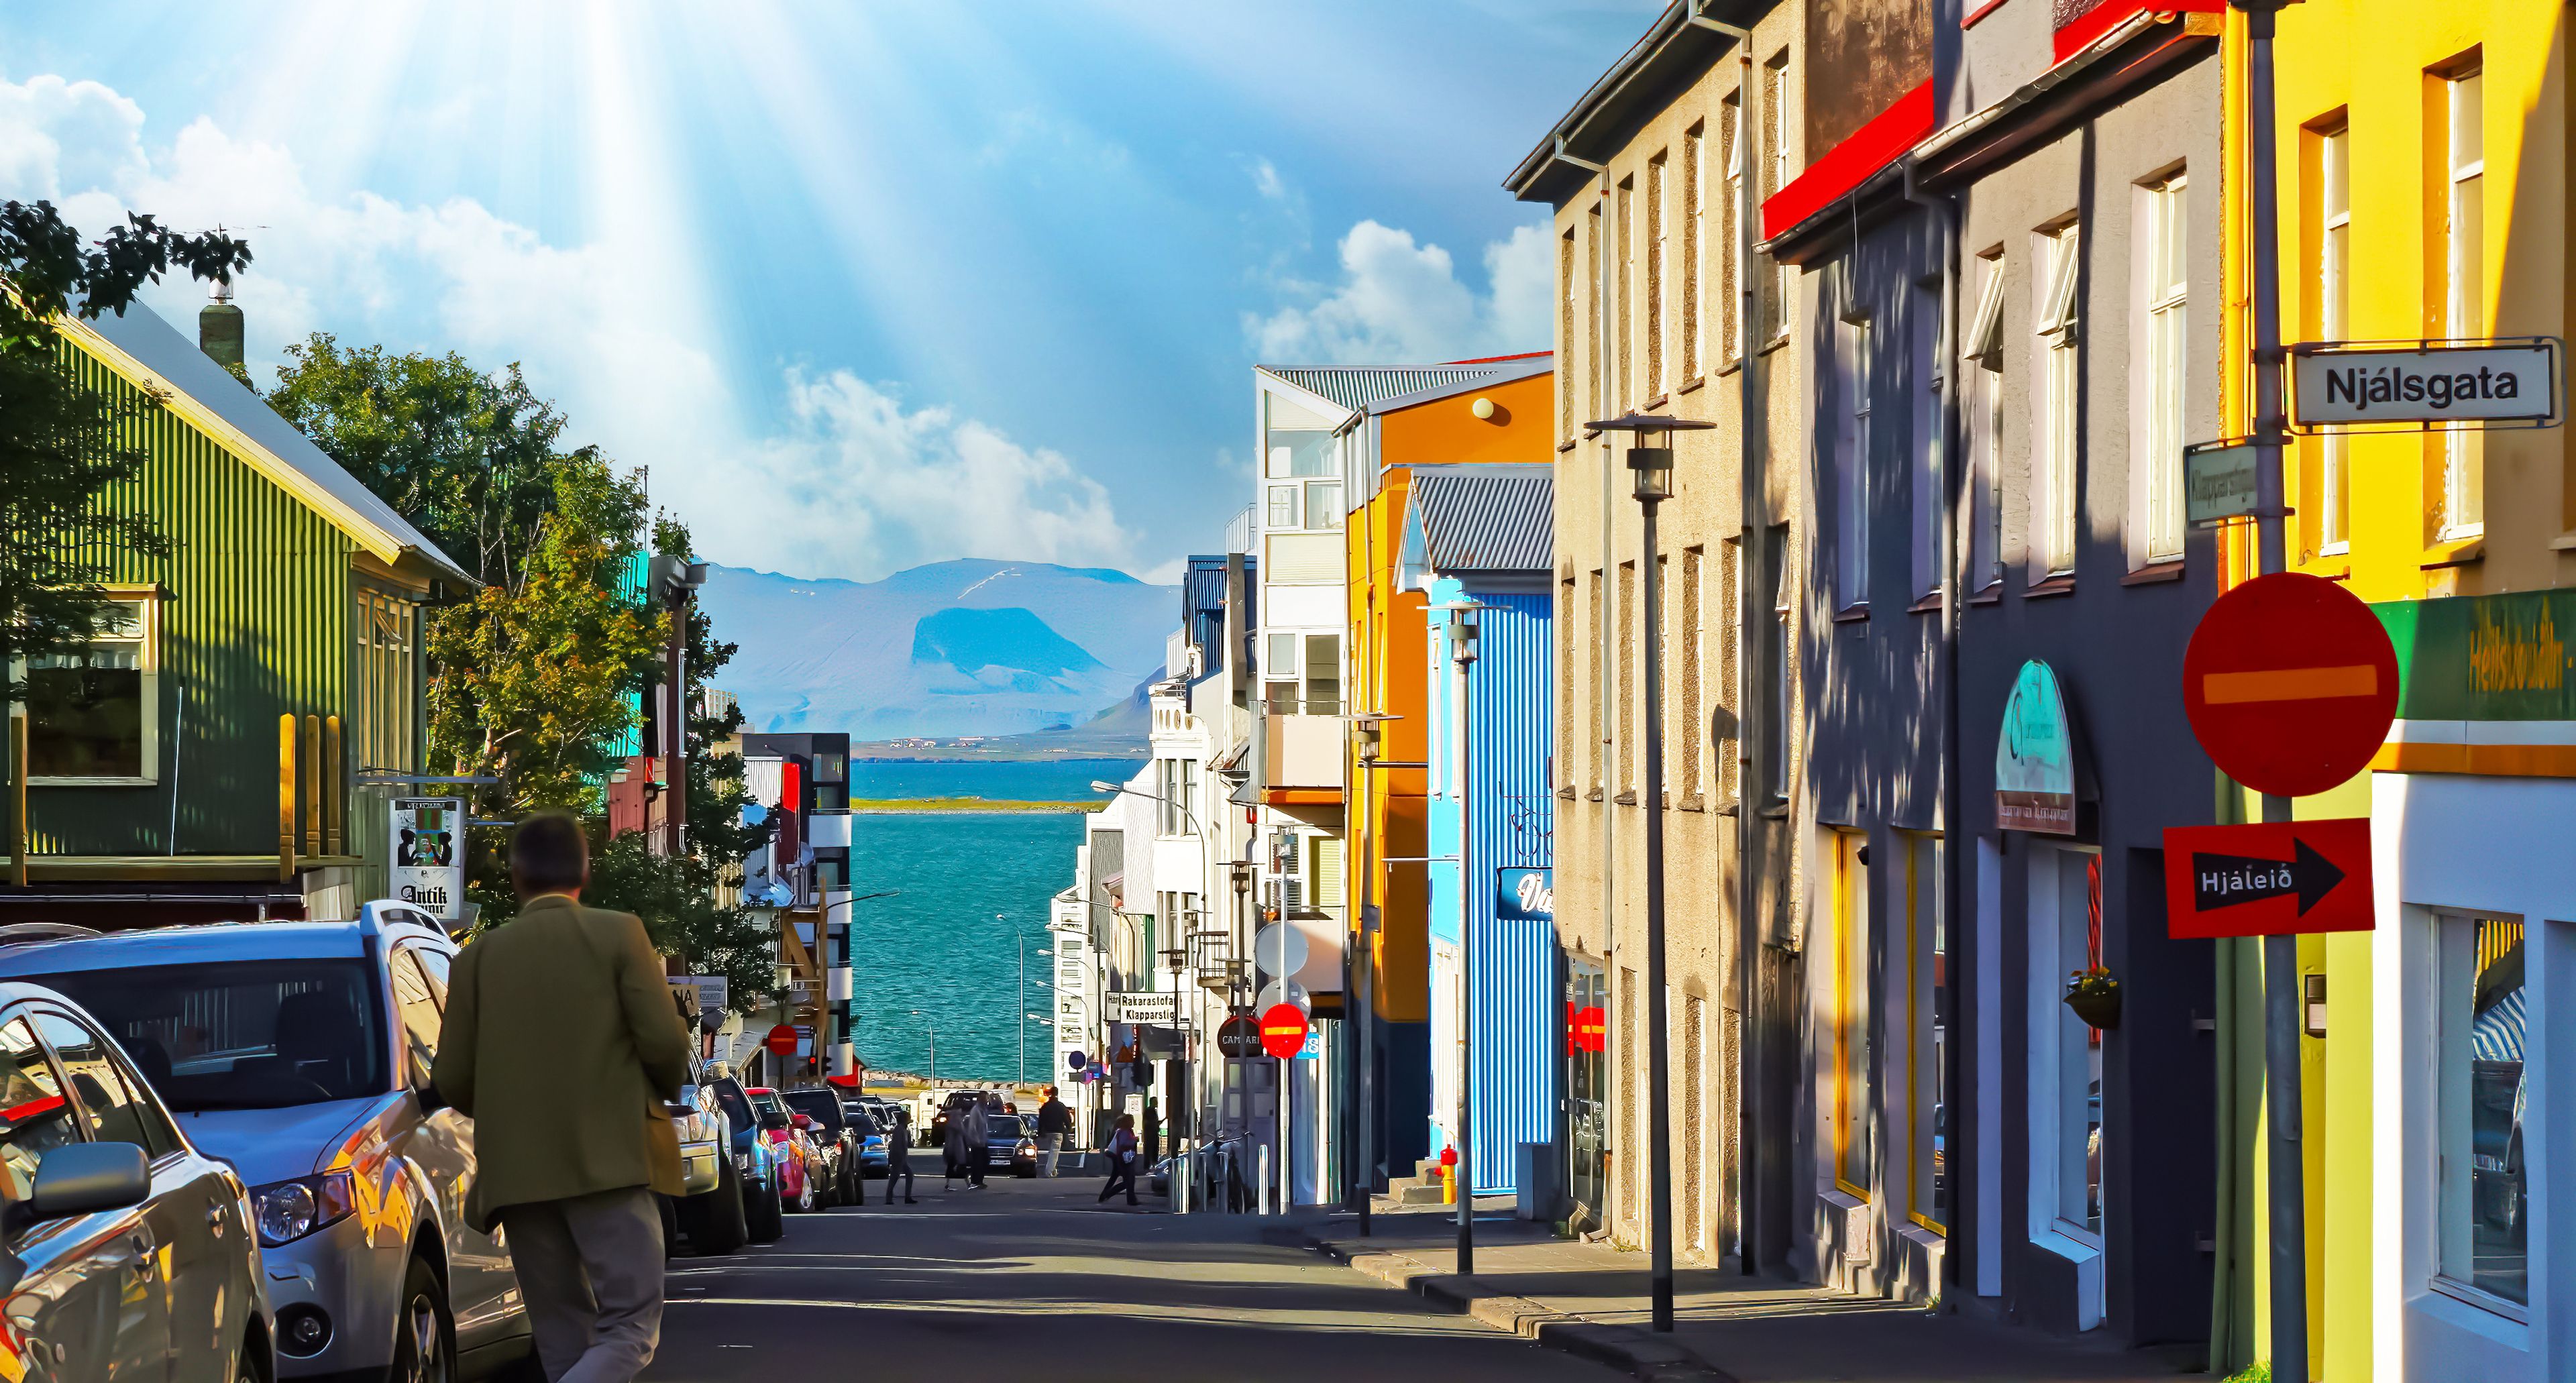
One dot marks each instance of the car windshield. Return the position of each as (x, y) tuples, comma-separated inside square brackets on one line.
[(245, 1034), (767, 1102), (822, 1106), (1008, 1126), (866, 1125)]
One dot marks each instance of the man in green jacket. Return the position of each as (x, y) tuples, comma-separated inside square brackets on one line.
[(561, 1043)]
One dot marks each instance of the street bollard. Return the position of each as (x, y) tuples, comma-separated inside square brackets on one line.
[(1180, 1184), (1262, 1165)]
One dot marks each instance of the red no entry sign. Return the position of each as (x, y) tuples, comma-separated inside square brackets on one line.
[(1587, 1029), (1283, 1031), (2290, 684), (2268, 878), (781, 1041)]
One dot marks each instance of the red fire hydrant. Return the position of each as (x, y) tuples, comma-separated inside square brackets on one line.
[(1449, 1176)]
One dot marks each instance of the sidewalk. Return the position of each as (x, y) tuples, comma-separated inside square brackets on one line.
[(1589, 1299)]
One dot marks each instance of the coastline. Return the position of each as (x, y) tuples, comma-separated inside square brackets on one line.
[(913, 806)]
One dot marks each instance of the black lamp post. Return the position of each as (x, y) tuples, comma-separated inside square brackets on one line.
[(1650, 463), (1462, 651)]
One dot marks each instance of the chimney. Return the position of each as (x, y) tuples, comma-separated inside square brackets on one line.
[(219, 328)]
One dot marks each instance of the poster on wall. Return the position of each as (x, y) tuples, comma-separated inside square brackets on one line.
[(428, 868), (2035, 757)]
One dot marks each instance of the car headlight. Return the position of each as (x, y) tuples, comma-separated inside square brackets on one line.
[(289, 1210)]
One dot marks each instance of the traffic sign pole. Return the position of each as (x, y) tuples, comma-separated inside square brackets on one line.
[(2289, 1257)]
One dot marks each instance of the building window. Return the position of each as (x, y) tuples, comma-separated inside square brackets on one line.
[(1775, 141), (1625, 381), (2483, 1102), (1730, 254), (1566, 285), (2463, 511), (1779, 694), (1852, 1017), (1730, 663), (1851, 464), (1323, 674), (1692, 239), (1693, 651), (1627, 615), (2060, 371), (1658, 259), (1323, 501), (93, 716), (1283, 507), (388, 699), (2079, 1047), (1279, 674), (1600, 688), (2163, 295), (1562, 771), (1176, 786), (1593, 361), (1982, 411), (1923, 364), (2334, 323), (1927, 1040)]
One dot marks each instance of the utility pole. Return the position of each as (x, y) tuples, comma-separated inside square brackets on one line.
[(1462, 652), (2281, 1026)]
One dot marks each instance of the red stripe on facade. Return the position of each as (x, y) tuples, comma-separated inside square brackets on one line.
[(1871, 147), (2087, 28)]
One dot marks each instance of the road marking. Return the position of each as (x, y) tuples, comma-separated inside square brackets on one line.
[(2289, 684)]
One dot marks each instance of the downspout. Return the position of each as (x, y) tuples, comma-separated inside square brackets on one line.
[(1945, 214)]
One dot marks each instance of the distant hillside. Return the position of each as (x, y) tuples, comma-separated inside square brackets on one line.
[(971, 647)]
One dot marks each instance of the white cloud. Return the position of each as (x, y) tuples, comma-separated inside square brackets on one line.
[(1400, 301), (854, 485)]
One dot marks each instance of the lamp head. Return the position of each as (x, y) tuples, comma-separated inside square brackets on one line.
[(1099, 785), (1652, 470), (1462, 633)]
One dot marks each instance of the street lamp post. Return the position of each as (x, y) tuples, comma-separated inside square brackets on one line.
[(1651, 468), (1359, 980), (1462, 651), (934, 1047)]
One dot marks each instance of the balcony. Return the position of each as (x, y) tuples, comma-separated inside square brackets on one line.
[(1302, 752)]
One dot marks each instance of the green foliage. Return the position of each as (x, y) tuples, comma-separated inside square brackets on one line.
[(675, 895), (65, 449), (2260, 1371), (716, 794)]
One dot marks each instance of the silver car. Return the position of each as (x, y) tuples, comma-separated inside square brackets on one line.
[(299, 1052), (124, 1252)]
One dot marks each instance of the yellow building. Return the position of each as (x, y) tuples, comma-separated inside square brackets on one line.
[(2424, 191)]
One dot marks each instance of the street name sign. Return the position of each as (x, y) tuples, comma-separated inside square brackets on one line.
[(2290, 684), (1162, 1008), (1283, 1031), (1239, 1036), (2346, 385), (2268, 878), (2217, 481)]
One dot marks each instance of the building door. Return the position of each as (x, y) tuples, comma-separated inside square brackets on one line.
[(1587, 1127)]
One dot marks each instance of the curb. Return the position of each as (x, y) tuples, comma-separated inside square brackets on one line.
[(1636, 1352)]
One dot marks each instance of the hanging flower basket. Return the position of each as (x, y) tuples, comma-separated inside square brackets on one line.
[(2094, 997)]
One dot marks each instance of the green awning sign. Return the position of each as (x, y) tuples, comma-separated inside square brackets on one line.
[(2489, 657), (2035, 757)]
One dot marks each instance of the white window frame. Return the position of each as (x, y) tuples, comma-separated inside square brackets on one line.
[(2157, 402), (1659, 273), (1776, 112), (1731, 314), (1851, 464), (148, 598), (2334, 322), (2464, 288), (1981, 369), (2049, 1230), (1928, 384), (2057, 446)]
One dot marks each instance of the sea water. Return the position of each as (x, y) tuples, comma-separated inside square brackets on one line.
[(1043, 780)]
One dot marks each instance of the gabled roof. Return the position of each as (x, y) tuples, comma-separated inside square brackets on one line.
[(1482, 518), (1681, 43), (1353, 388), (1509, 371), (147, 352)]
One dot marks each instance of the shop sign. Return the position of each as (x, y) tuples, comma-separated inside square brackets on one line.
[(2347, 386), (2290, 683), (1162, 1008), (711, 991), (1525, 895), (2488, 657), (428, 872), (2035, 757), (2268, 878), (1239, 1036)]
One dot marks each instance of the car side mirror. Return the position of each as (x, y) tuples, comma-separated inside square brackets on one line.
[(85, 1178)]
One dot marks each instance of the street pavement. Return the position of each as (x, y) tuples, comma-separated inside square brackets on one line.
[(1032, 1280)]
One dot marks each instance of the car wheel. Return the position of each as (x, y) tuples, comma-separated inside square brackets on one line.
[(715, 1218), (761, 1209), (424, 1334), (805, 1194)]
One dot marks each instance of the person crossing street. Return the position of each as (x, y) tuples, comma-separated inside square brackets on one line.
[(1055, 1125), (899, 1157), (1122, 1160)]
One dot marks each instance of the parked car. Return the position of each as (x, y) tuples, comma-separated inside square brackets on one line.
[(832, 1132), (755, 1159), (299, 1053), (874, 1156), (801, 1170), (1012, 1144), (710, 1211), (125, 1243)]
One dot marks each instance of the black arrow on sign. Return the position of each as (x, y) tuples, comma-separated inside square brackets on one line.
[(2224, 881)]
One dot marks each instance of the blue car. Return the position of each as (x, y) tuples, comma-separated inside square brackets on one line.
[(764, 1214), (872, 1140), (299, 1054)]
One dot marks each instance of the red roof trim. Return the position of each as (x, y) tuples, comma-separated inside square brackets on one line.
[(1980, 12), (1501, 359), (2087, 28), (1871, 147)]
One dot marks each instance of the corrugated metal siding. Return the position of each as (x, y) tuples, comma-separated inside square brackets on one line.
[(1355, 389), (1487, 519), (1516, 1005), (257, 624)]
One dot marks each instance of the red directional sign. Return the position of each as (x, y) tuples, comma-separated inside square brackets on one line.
[(2268, 878), (1283, 1031), (2290, 684), (1587, 1029), (781, 1041)]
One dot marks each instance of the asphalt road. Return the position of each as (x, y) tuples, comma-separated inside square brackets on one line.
[(1032, 1280)]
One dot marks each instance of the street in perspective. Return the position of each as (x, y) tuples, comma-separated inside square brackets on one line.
[(1761, 691)]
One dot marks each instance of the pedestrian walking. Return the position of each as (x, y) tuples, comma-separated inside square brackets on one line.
[(1122, 1160), (952, 1148), (572, 1149), (1055, 1124), (978, 1126), (899, 1157)]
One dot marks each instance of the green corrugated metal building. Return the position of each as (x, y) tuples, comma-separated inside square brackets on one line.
[(162, 785)]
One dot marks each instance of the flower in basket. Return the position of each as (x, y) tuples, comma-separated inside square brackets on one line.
[(2094, 996)]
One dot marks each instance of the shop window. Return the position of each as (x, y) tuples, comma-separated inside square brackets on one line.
[(93, 714), (1927, 1042), (2484, 1104), (1852, 1017), (2079, 1048)]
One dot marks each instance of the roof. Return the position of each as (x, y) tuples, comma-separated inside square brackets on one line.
[(1506, 371), (187, 946), (1488, 518), (1678, 46), (144, 349), (1356, 387)]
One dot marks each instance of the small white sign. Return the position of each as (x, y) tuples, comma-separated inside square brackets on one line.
[(2337, 386), (711, 991), (428, 854), (2217, 481)]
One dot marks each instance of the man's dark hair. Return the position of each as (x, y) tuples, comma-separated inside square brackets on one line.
[(549, 855)]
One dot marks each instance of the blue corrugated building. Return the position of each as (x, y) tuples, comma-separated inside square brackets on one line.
[(1480, 537)]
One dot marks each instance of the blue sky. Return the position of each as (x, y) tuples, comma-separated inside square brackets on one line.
[(863, 284)]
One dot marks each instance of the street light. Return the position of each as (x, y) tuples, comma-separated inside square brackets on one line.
[(1461, 631), (934, 1047), (1117, 789), (1359, 977), (1650, 462)]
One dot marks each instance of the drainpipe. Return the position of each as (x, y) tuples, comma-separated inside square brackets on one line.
[(1945, 215)]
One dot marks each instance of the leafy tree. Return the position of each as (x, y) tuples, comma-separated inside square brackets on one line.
[(64, 448), (676, 897)]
